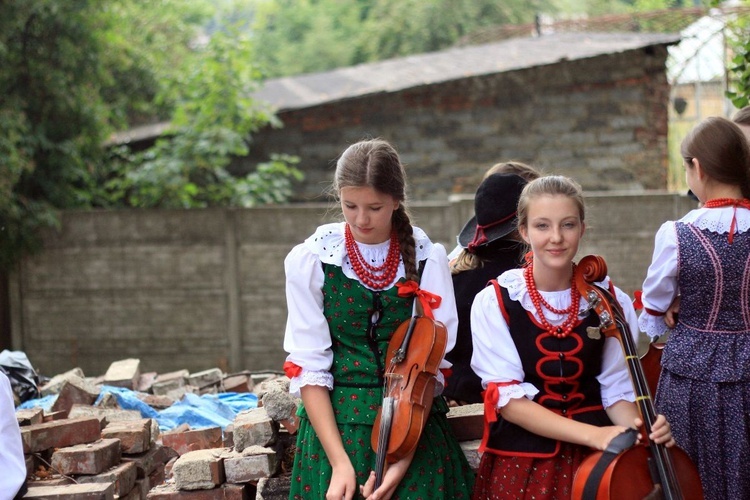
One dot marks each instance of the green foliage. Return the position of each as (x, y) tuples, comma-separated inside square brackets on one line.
[(300, 36), (73, 72), (739, 69), (213, 118)]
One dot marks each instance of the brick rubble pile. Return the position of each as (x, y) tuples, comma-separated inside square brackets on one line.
[(82, 450)]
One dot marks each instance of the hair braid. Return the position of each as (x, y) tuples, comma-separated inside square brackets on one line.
[(402, 224)]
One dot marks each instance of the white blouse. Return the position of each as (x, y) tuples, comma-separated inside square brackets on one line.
[(495, 358), (307, 338), (11, 446), (660, 287)]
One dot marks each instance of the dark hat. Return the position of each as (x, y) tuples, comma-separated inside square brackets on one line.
[(494, 210)]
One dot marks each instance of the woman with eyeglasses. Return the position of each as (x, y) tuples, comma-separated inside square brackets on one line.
[(347, 292)]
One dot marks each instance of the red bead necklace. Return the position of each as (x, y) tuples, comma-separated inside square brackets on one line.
[(563, 330), (375, 277)]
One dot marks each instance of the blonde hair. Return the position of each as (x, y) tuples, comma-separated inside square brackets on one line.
[(550, 185), (528, 172)]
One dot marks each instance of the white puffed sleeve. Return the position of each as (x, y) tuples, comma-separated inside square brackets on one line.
[(615, 381), (660, 287), (307, 337), (436, 278), (495, 358)]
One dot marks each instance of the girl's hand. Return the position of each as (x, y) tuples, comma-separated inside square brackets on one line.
[(670, 316), (661, 431), (343, 483), (393, 475), (601, 436)]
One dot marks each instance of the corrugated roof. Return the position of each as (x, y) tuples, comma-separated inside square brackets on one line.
[(461, 62)]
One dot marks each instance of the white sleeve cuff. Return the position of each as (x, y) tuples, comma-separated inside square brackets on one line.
[(308, 377), (517, 391)]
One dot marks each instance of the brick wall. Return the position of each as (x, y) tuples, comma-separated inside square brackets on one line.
[(200, 289), (602, 120)]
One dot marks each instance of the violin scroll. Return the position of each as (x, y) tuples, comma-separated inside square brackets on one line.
[(592, 268)]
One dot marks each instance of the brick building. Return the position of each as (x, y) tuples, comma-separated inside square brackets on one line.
[(593, 106)]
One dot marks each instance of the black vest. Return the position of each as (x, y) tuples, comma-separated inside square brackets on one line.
[(564, 370)]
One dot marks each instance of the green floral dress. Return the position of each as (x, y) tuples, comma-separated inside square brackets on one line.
[(439, 469)]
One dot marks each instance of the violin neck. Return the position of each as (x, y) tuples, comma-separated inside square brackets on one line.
[(662, 460), (643, 395)]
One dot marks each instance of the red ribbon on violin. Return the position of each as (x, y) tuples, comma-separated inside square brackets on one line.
[(412, 361)]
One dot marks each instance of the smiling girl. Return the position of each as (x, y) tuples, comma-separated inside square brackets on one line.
[(344, 298), (555, 391)]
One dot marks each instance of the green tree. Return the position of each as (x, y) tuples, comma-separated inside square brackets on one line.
[(73, 72), (50, 114), (300, 36), (213, 118), (738, 35)]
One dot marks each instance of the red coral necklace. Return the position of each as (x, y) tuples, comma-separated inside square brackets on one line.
[(375, 277), (563, 330)]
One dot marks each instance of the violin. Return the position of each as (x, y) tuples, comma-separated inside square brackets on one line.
[(414, 354), (646, 470)]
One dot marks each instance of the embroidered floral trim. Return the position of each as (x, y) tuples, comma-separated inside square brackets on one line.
[(309, 377), (653, 326), (329, 245), (717, 220)]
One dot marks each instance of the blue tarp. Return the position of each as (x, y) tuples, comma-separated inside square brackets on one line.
[(208, 410)]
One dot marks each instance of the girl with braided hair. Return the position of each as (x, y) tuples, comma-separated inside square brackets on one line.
[(348, 287)]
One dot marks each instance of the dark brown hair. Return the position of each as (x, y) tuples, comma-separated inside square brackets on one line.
[(375, 163), (722, 150)]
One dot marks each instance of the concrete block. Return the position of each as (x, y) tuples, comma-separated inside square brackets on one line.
[(167, 382), (223, 492), (134, 435), (59, 434), (122, 476), (274, 488), (55, 383), (105, 415), (205, 378), (90, 458), (123, 373), (254, 428), (156, 401), (74, 391), (72, 492), (199, 470), (145, 381), (147, 461), (237, 383), (29, 416), (467, 422), (255, 462), (192, 440)]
